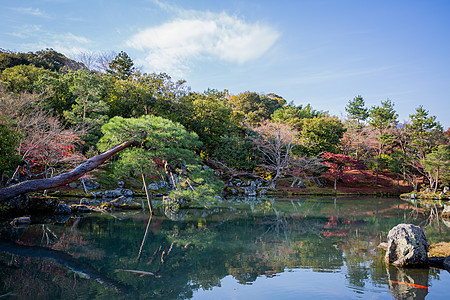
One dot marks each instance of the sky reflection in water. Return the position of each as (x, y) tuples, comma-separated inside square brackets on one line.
[(286, 248)]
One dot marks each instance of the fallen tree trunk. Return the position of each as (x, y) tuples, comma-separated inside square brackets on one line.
[(64, 259), (65, 178)]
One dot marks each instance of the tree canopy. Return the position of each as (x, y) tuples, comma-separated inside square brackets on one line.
[(55, 112)]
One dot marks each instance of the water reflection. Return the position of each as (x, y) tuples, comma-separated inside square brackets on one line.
[(175, 254), (408, 283)]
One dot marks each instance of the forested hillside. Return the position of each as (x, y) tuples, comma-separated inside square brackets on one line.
[(56, 112)]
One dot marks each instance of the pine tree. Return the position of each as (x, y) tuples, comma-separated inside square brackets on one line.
[(121, 67)]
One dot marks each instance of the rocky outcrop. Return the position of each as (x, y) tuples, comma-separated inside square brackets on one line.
[(407, 246), (249, 188)]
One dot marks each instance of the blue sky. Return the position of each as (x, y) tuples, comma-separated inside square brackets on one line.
[(322, 52)]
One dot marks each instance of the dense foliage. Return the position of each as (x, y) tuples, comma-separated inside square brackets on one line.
[(55, 111)]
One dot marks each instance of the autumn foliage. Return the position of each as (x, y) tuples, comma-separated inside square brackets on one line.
[(339, 163)]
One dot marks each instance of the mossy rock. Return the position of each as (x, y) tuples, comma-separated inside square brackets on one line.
[(441, 249), (122, 203)]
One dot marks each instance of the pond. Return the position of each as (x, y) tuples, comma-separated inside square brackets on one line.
[(286, 248)]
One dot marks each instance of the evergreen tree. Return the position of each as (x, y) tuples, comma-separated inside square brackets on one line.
[(121, 67), (357, 110), (383, 119), (437, 163)]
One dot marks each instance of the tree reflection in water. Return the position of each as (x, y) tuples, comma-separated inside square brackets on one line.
[(195, 249)]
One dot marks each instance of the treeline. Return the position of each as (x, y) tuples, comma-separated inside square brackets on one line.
[(55, 112)]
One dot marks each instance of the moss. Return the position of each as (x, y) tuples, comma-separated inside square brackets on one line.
[(441, 249), (131, 206), (427, 195)]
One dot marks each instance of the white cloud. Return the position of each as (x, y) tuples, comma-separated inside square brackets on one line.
[(173, 46), (72, 38), (26, 31), (31, 11)]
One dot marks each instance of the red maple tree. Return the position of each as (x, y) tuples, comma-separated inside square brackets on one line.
[(339, 163)]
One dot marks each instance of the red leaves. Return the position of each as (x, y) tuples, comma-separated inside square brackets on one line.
[(342, 161), (48, 148), (338, 163)]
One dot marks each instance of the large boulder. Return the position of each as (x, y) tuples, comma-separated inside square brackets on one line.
[(407, 246)]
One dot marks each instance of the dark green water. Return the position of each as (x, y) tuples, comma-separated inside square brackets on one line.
[(296, 248)]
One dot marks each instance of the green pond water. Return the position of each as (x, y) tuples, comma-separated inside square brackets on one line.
[(283, 248)]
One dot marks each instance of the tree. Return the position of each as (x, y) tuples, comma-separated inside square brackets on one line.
[(129, 98), (437, 163), (22, 78), (422, 135), (41, 141), (96, 61), (272, 102), (167, 145), (294, 115), (166, 151), (166, 95), (357, 114), (447, 133), (53, 86), (308, 169), (48, 59), (121, 67), (356, 140), (382, 119), (56, 61), (235, 152), (256, 108), (89, 111), (338, 163), (321, 135), (357, 110), (206, 114), (398, 164), (8, 155), (421, 130), (275, 141), (62, 179)]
